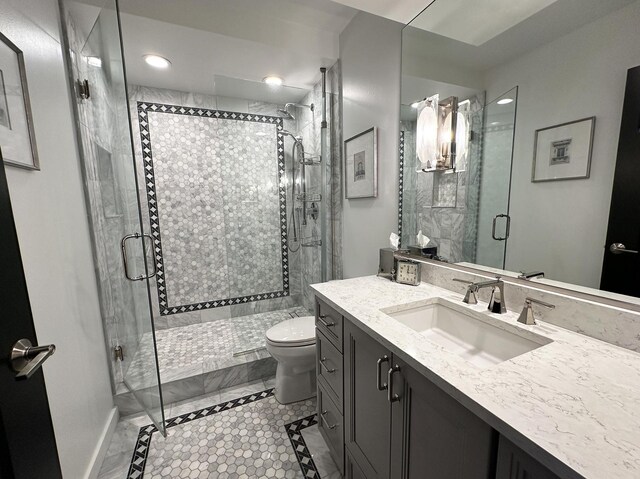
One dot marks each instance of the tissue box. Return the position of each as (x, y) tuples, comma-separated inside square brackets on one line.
[(428, 251)]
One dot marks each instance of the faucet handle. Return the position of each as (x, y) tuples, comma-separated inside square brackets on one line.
[(527, 316), (470, 296)]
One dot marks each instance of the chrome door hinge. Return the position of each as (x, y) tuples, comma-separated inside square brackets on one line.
[(83, 89), (118, 353)]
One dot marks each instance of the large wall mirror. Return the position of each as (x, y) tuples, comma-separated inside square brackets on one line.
[(520, 141)]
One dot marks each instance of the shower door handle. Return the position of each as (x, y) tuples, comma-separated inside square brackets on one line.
[(123, 251), (507, 229)]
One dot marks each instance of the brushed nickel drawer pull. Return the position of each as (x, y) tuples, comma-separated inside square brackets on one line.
[(322, 363), (324, 421), (322, 318)]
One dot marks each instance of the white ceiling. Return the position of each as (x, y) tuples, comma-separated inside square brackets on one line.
[(434, 55), (476, 22), (244, 39), (237, 39), (402, 11)]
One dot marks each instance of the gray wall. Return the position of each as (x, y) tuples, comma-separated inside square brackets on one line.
[(370, 51), (53, 231)]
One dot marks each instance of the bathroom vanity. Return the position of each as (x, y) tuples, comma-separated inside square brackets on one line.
[(412, 380)]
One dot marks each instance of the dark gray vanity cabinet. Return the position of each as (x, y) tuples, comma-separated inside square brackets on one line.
[(433, 436), (514, 463), (384, 420), (367, 409), (399, 425)]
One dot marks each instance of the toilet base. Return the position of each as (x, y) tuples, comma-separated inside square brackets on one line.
[(294, 386)]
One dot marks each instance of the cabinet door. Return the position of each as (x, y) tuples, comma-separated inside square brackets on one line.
[(433, 435), (513, 463), (367, 410)]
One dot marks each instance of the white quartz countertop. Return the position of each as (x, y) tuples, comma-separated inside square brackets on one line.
[(574, 404)]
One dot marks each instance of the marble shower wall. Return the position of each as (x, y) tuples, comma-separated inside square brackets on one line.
[(444, 204), (243, 186)]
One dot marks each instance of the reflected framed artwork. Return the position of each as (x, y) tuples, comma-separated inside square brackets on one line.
[(17, 139), (361, 165), (563, 152)]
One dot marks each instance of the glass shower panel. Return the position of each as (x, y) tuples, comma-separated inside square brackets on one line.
[(122, 248), (495, 180)]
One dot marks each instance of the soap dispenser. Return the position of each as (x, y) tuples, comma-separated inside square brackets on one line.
[(496, 301)]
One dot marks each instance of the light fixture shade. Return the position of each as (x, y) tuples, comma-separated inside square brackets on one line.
[(427, 134)]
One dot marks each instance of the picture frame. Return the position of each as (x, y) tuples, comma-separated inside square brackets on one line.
[(361, 165), (563, 152), (17, 136)]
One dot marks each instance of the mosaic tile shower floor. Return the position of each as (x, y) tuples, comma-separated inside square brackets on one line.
[(238, 433), (195, 349)]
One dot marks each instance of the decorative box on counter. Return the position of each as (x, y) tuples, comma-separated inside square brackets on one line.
[(426, 251)]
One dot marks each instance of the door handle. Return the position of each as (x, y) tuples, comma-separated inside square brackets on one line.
[(379, 385), (619, 248), (507, 227), (123, 252), (391, 396), (26, 359)]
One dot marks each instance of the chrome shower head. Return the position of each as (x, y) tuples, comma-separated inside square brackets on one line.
[(285, 114)]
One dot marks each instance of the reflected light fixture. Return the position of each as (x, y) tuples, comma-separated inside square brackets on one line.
[(94, 61), (273, 80), (415, 104), (156, 61), (505, 101)]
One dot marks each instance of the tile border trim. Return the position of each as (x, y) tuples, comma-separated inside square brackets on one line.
[(303, 455), (144, 108)]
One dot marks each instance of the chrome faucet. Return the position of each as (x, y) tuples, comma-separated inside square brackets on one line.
[(470, 296), (531, 275)]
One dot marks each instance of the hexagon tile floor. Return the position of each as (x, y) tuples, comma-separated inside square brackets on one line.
[(248, 436)]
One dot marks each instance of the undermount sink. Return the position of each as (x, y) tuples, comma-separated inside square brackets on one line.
[(465, 333)]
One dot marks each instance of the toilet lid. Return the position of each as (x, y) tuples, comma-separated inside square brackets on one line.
[(294, 331)]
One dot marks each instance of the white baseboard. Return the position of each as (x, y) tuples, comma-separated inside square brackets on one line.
[(103, 445)]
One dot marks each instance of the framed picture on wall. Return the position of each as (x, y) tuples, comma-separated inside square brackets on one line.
[(17, 139), (361, 165), (563, 152)]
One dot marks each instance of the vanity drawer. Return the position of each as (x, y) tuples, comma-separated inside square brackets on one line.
[(329, 321), (331, 426), (329, 366)]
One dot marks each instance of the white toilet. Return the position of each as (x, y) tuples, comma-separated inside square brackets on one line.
[(293, 345)]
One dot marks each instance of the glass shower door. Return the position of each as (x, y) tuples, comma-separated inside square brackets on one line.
[(123, 250), (495, 180)]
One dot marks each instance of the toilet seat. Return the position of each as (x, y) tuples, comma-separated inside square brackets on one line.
[(293, 332)]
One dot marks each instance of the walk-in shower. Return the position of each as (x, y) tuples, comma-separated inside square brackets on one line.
[(228, 201)]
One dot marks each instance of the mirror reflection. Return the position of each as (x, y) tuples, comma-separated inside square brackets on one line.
[(535, 173)]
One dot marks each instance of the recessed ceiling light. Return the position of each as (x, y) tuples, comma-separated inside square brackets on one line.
[(156, 61), (505, 101), (94, 61), (273, 80)]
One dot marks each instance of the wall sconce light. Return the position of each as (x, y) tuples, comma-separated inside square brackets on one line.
[(442, 134)]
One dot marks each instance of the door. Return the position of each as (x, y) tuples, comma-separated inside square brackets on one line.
[(27, 443), (367, 409), (125, 260), (433, 435), (621, 266)]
